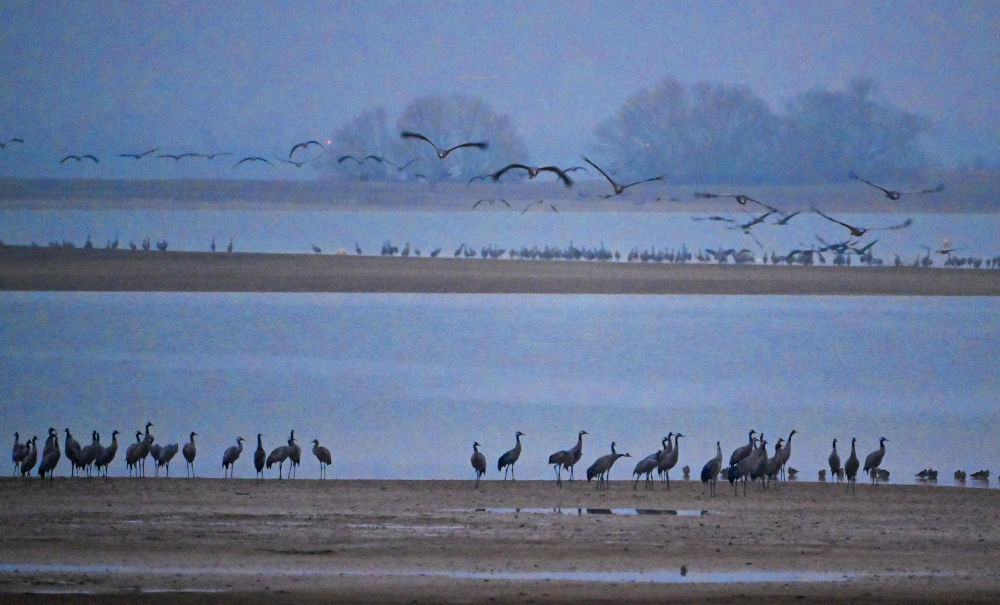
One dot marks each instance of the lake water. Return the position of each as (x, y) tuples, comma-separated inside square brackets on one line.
[(297, 231), (399, 386)]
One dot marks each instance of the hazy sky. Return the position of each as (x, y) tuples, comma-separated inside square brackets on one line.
[(110, 77)]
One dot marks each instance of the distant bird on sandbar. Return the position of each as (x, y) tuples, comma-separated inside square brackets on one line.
[(304, 145), (616, 186), (3, 145), (895, 195), (138, 156), (442, 153), (478, 461), (317, 249), (254, 158), (533, 172), (860, 231), (713, 218), (79, 158)]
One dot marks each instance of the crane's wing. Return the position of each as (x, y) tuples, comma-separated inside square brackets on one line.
[(553, 208), (560, 173), (655, 178), (342, 158), (480, 145), (406, 134), (830, 218), (70, 157), (902, 225), (496, 175), (858, 178), (303, 146), (610, 180), (96, 161), (530, 205), (477, 203), (784, 220), (504, 202), (933, 190)]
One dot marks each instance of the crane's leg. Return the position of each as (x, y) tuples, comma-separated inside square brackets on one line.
[(512, 472), (667, 473), (571, 472), (193, 475)]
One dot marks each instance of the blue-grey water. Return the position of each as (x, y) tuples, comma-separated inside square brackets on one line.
[(297, 231), (399, 386)]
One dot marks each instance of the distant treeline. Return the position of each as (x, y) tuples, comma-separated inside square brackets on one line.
[(702, 133)]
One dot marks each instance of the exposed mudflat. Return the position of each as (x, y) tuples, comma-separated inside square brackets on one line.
[(214, 540)]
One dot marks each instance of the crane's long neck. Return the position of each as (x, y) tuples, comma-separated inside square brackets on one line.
[(259, 444), (475, 448), (718, 451)]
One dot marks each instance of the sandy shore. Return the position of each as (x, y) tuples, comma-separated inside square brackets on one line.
[(371, 541), (47, 269)]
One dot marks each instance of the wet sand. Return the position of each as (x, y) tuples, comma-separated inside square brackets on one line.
[(47, 269), (240, 541)]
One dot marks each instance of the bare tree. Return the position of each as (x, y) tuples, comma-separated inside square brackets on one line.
[(367, 134), (457, 119)]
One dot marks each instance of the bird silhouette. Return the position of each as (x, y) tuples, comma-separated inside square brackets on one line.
[(491, 201), (533, 172), (80, 158), (138, 156), (178, 157), (303, 145), (253, 159), (784, 220), (860, 231), (296, 164), (616, 186), (3, 145), (895, 195), (442, 153), (739, 197)]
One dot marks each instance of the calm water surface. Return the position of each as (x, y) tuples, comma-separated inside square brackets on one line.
[(401, 385)]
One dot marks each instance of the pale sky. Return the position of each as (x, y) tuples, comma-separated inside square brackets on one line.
[(109, 77)]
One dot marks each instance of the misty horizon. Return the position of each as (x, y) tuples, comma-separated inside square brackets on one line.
[(108, 79)]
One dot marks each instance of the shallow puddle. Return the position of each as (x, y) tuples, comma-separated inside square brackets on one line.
[(653, 577), (593, 511)]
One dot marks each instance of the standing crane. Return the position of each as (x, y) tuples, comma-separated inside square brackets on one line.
[(510, 457), (259, 457), (478, 461), (107, 455), (230, 456), (873, 461), (851, 467), (602, 466), (567, 458), (834, 461), (743, 451), (323, 455), (669, 460), (710, 472), (189, 451)]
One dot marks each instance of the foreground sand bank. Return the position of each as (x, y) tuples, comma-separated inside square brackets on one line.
[(369, 541), (47, 269)]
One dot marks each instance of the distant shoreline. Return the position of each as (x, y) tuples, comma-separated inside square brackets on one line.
[(968, 195), (24, 268)]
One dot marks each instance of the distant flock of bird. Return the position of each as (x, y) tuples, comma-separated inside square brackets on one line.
[(748, 463), (841, 251), (94, 457)]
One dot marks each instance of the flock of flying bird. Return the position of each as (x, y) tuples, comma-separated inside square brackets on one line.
[(842, 250)]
